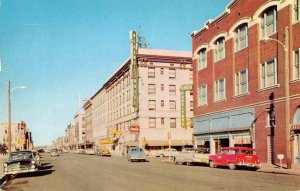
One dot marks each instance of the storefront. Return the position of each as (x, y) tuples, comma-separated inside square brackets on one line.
[(295, 127), (232, 128)]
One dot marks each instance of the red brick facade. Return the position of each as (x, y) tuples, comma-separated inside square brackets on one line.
[(251, 58)]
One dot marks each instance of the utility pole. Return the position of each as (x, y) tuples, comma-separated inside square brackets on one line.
[(287, 98)]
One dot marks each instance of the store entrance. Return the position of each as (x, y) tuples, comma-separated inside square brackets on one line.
[(219, 143)]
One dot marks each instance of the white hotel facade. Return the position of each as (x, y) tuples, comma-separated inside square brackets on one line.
[(161, 73)]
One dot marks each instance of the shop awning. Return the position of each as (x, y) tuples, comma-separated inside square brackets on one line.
[(116, 132), (166, 143), (229, 130), (131, 144), (106, 141)]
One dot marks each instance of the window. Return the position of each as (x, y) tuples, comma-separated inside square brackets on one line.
[(241, 37), (162, 121), (172, 73), (296, 64), (151, 72), (161, 70), (162, 103), (202, 63), (268, 73), (151, 88), (219, 49), (241, 82), (172, 105), (220, 89), (297, 10), (202, 95), (162, 87), (172, 89), (172, 122), (152, 122), (151, 104), (191, 106), (268, 23)]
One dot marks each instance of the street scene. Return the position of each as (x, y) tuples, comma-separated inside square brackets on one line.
[(71, 172), (160, 95)]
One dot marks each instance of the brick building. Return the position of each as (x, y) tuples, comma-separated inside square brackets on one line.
[(242, 91)]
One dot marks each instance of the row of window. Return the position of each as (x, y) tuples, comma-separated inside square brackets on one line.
[(119, 86), (172, 105), (152, 122), (268, 27), (119, 113), (151, 72), (268, 78), (123, 98), (152, 89)]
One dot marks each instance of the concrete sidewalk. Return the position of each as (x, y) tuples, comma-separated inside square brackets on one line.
[(272, 168), (267, 168)]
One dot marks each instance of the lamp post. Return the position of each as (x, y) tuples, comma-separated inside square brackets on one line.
[(9, 113), (286, 92)]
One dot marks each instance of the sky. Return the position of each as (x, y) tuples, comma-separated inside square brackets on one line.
[(63, 51)]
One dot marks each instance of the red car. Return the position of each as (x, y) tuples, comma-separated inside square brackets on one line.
[(235, 157)]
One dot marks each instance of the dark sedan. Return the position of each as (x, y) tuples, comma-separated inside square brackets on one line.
[(20, 162)]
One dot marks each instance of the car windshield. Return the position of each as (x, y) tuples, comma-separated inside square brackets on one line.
[(20, 156)]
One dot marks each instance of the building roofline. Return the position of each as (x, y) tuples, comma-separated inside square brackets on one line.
[(210, 22)]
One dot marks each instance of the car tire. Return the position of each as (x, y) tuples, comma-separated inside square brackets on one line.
[(212, 164), (232, 166)]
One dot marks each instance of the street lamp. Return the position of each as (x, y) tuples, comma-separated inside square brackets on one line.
[(285, 45), (9, 113)]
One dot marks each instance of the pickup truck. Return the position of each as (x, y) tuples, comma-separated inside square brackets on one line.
[(190, 156)]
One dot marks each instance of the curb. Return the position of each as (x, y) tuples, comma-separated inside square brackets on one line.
[(279, 172)]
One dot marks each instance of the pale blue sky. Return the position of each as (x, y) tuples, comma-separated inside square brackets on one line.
[(61, 49)]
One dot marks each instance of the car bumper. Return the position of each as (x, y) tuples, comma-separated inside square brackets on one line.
[(252, 165), (20, 171)]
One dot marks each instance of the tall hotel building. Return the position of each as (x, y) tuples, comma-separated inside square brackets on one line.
[(246, 79), (140, 104)]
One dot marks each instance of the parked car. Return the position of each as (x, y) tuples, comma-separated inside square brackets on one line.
[(37, 158), (167, 153), (189, 156), (235, 157), (136, 154), (80, 151), (102, 152), (89, 151), (54, 152), (20, 162)]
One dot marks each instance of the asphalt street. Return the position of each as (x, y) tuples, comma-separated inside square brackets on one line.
[(75, 172)]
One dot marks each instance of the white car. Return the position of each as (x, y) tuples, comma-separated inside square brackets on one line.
[(167, 153), (90, 151), (190, 156)]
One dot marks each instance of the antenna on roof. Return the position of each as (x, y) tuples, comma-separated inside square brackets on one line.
[(141, 40)]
